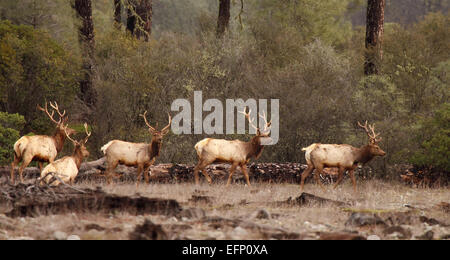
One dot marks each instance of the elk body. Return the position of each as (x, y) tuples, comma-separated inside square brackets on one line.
[(141, 155), (236, 152), (344, 157), (66, 168), (41, 148)]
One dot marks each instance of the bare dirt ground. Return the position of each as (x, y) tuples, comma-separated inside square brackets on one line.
[(378, 210)]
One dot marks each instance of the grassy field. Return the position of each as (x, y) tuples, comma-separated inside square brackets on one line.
[(241, 203)]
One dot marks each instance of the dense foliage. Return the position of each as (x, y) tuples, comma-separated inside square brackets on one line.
[(305, 53), (10, 127)]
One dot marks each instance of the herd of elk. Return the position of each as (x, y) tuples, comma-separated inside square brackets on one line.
[(66, 168), (236, 152), (42, 148), (343, 156), (141, 155)]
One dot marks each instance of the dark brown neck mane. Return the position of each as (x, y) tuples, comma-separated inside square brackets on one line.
[(59, 138), (364, 155), (254, 148), (155, 148), (78, 156)]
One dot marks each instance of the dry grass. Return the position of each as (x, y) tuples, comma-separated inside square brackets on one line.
[(240, 202)]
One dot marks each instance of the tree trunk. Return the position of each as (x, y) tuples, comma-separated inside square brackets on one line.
[(144, 12), (223, 21), (118, 12), (131, 19), (374, 35), (87, 43)]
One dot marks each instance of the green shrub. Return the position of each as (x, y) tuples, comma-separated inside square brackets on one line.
[(10, 127), (435, 149)]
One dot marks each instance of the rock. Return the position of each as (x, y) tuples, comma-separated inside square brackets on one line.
[(397, 232), (359, 219), (73, 237), (59, 235), (430, 221), (317, 228), (94, 226), (426, 236), (373, 237), (239, 233), (192, 213), (148, 231), (341, 236), (21, 238), (261, 214)]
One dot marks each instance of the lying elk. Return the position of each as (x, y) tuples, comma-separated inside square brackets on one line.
[(236, 152), (344, 157), (41, 148), (141, 155), (66, 168)]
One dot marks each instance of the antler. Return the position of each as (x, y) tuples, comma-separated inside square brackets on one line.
[(147, 123), (247, 115), (165, 129), (266, 125), (55, 107), (373, 136), (68, 136), (88, 134)]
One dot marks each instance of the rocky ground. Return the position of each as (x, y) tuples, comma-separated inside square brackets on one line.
[(185, 211)]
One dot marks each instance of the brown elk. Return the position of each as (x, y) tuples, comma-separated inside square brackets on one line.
[(236, 152), (344, 157), (66, 168), (41, 148), (141, 155)]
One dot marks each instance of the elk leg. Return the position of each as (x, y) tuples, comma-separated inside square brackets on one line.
[(340, 177), (352, 175), (232, 169), (201, 167), (13, 166), (244, 170), (317, 176), (41, 166), (139, 173), (305, 175), (110, 171), (24, 165), (147, 174)]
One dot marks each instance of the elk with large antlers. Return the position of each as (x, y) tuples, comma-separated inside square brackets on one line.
[(344, 157), (41, 148), (66, 168), (236, 152), (141, 155)]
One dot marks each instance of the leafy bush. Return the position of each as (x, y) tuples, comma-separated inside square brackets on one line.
[(33, 68), (435, 133), (10, 127)]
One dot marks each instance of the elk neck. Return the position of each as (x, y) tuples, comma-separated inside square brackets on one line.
[(78, 156), (363, 154), (59, 138), (154, 148), (254, 148)]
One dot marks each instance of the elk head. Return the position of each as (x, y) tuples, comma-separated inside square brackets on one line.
[(256, 141), (157, 136), (373, 140), (60, 124), (80, 146)]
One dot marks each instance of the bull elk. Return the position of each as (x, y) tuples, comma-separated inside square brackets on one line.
[(41, 148), (344, 157), (66, 168), (142, 155), (236, 152)]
